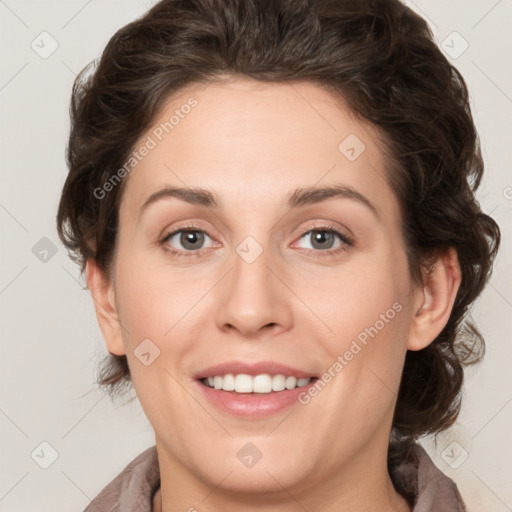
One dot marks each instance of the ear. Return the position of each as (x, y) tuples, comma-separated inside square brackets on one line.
[(435, 300), (102, 291)]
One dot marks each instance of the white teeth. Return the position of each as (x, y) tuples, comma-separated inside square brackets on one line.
[(264, 383), (243, 383), (290, 382), (217, 382), (228, 382), (278, 382)]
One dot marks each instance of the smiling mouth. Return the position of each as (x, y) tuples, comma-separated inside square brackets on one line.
[(255, 384)]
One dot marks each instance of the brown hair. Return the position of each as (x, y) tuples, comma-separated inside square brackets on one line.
[(376, 55)]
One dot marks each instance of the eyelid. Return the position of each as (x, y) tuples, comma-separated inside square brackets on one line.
[(191, 225), (330, 226)]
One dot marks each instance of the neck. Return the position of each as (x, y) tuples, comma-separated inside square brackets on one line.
[(395, 503), (365, 486)]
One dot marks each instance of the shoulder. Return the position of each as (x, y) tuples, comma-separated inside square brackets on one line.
[(435, 490), (431, 490), (133, 488)]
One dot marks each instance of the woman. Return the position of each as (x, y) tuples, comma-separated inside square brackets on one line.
[(213, 151)]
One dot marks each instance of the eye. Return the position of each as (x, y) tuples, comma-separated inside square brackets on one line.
[(190, 239), (323, 239)]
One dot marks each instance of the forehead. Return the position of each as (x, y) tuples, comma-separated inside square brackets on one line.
[(253, 142)]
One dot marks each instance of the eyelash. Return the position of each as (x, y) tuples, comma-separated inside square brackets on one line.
[(346, 241)]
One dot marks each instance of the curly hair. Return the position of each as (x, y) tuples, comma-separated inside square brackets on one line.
[(377, 56)]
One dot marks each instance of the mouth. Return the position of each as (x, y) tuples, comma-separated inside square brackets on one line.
[(253, 391)]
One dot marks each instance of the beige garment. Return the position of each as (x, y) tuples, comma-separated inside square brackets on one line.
[(133, 489)]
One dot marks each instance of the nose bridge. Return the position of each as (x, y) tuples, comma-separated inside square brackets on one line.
[(253, 297)]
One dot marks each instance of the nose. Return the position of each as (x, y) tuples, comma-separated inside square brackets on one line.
[(253, 297)]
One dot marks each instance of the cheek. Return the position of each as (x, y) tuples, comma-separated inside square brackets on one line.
[(354, 298), (153, 307), (161, 311), (367, 308), (151, 299)]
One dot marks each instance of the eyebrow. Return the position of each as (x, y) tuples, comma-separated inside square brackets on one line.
[(300, 197)]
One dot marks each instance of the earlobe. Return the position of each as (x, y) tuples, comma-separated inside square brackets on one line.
[(102, 291), (437, 299)]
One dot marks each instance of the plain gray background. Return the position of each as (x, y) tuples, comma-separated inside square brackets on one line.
[(51, 343)]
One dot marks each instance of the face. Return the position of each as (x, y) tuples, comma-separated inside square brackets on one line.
[(258, 269)]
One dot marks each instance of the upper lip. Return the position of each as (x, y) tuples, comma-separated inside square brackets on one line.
[(254, 368)]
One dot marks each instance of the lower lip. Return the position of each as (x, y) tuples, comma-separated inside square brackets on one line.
[(253, 405)]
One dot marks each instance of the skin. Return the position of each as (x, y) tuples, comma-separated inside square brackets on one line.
[(253, 143)]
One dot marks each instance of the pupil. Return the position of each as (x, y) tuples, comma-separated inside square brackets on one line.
[(320, 237), (190, 238)]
